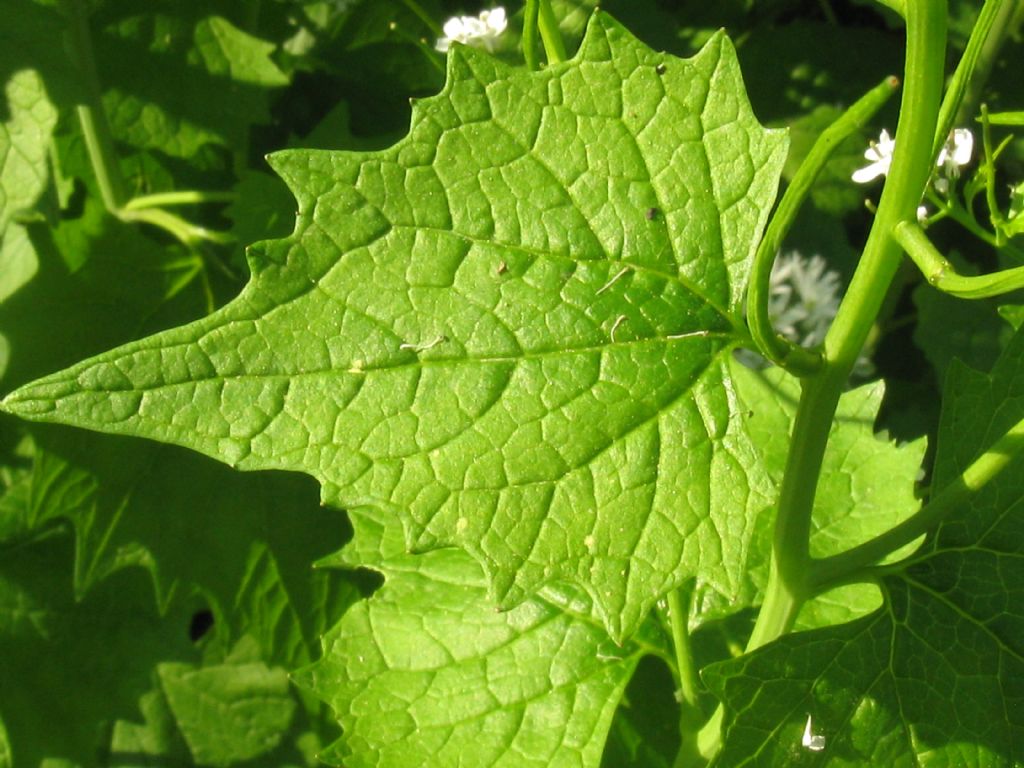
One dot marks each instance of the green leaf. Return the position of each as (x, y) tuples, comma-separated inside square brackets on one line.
[(155, 737), (71, 667), (488, 331), (176, 81), (230, 712), (25, 132), (950, 329), (219, 532), (933, 676), (243, 542), (426, 672)]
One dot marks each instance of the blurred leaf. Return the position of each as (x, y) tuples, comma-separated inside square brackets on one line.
[(50, 644), (792, 69), (24, 142), (230, 712), (177, 77)]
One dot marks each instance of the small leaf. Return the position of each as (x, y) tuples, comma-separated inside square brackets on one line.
[(228, 713)]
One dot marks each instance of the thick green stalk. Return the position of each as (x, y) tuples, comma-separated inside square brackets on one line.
[(554, 46), (530, 35), (792, 581), (911, 167)]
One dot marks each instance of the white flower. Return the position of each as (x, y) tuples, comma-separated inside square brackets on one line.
[(880, 155), (482, 31), (922, 214), (811, 740), (956, 152)]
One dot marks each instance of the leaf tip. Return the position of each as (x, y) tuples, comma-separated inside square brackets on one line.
[(27, 403)]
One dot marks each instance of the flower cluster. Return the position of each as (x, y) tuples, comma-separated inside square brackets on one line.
[(482, 31), (803, 301), (955, 153), (804, 298)]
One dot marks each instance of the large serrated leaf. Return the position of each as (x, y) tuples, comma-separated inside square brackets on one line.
[(512, 328), (934, 677)]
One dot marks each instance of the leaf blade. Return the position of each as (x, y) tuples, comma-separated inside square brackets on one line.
[(534, 686), (488, 318)]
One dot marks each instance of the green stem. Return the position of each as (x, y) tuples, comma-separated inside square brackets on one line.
[(186, 232), (178, 197), (678, 614), (776, 348), (686, 675), (791, 581), (911, 167), (943, 275), (972, 71), (964, 218), (91, 115), (840, 568), (530, 35), (554, 46), (1005, 25), (995, 215)]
